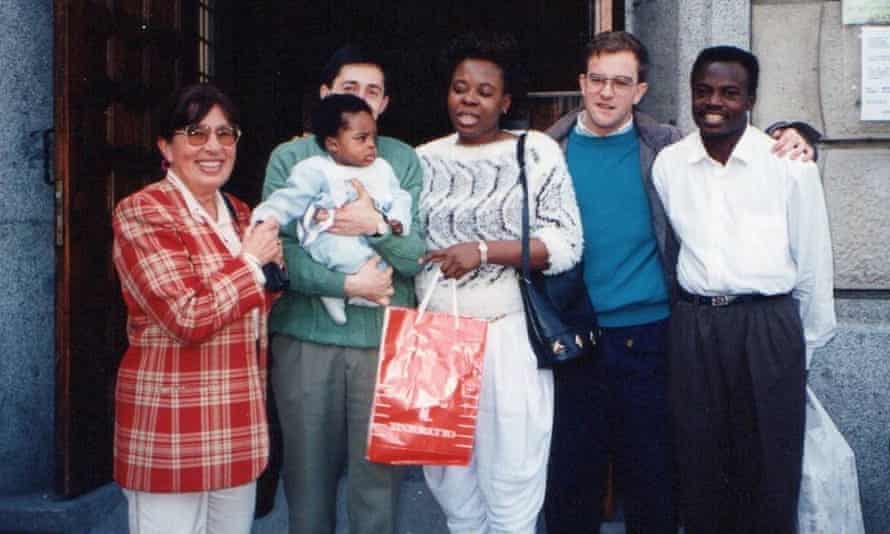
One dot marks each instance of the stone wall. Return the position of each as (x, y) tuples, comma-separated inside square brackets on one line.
[(811, 70), (656, 24), (26, 248), (675, 31)]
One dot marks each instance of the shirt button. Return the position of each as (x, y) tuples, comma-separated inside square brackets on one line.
[(629, 343)]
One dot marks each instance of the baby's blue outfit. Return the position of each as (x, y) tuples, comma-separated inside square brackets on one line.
[(320, 182)]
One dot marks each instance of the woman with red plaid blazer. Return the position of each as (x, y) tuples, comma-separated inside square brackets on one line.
[(190, 420)]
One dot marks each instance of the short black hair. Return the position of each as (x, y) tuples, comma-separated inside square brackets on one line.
[(499, 48), (328, 119), (351, 54), (614, 42), (190, 104), (729, 54)]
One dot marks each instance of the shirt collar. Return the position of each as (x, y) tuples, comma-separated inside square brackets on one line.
[(195, 209), (744, 151), (581, 129)]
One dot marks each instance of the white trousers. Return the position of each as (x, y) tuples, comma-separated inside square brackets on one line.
[(502, 490), (225, 511)]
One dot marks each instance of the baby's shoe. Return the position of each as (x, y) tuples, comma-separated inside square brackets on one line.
[(336, 308)]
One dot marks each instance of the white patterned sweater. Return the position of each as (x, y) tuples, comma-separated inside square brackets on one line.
[(472, 193)]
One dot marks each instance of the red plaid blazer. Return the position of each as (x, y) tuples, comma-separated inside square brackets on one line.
[(190, 412)]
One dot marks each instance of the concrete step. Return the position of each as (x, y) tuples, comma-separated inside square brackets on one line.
[(418, 513)]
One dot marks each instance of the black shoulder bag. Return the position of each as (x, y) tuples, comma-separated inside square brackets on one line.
[(560, 320)]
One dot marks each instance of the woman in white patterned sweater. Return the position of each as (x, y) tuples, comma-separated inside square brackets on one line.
[(471, 205)]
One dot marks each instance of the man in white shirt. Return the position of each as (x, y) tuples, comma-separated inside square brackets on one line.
[(755, 276)]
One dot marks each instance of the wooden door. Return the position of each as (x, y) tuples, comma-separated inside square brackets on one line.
[(115, 62)]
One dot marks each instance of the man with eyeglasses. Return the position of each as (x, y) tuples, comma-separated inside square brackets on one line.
[(323, 373), (616, 406)]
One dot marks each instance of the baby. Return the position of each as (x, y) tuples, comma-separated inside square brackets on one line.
[(345, 129)]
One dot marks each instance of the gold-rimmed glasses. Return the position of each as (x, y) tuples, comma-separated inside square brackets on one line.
[(198, 135)]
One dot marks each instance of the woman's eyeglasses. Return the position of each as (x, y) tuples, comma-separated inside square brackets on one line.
[(198, 135)]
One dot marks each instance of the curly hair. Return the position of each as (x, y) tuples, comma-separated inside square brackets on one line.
[(729, 54), (501, 49), (328, 117)]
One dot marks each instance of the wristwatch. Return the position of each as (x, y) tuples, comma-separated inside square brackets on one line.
[(388, 225)]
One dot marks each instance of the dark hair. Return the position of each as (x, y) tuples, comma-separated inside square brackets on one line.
[(190, 104), (350, 54), (729, 54), (501, 49), (328, 119), (614, 42)]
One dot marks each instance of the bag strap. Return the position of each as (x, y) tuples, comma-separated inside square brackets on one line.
[(231, 208), (429, 295), (520, 157)]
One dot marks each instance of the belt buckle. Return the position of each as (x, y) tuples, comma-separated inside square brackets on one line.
[(721, 300)]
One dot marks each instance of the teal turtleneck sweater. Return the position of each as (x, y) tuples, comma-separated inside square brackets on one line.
[(621, 265)]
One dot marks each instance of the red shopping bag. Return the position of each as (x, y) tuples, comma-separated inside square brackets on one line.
[(426, 397)]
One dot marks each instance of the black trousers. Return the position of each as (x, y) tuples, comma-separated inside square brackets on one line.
[(267, 484), (737, 393), (613, 407)]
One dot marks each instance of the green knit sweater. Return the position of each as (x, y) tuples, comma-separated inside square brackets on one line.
[(299, 312)]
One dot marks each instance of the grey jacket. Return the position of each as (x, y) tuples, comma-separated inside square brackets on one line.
[(653, 137)]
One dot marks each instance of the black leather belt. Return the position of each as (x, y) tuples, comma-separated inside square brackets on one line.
[(726, 300)]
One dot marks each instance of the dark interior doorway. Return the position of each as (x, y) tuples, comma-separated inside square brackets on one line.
[(270, 53)]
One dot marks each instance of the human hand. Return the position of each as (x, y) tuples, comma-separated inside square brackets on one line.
[(279, 258), (456, 260), (370, 282), (358, 217), (790, 143), (261, 241)]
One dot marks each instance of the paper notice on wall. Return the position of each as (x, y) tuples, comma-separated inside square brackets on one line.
[(866, 11), (876, 73)]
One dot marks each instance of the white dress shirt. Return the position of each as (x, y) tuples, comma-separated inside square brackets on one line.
[(755, 225)]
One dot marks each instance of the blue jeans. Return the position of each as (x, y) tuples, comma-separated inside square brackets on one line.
[(613, 407)]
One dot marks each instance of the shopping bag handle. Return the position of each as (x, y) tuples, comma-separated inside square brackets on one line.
[(429, 295)]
